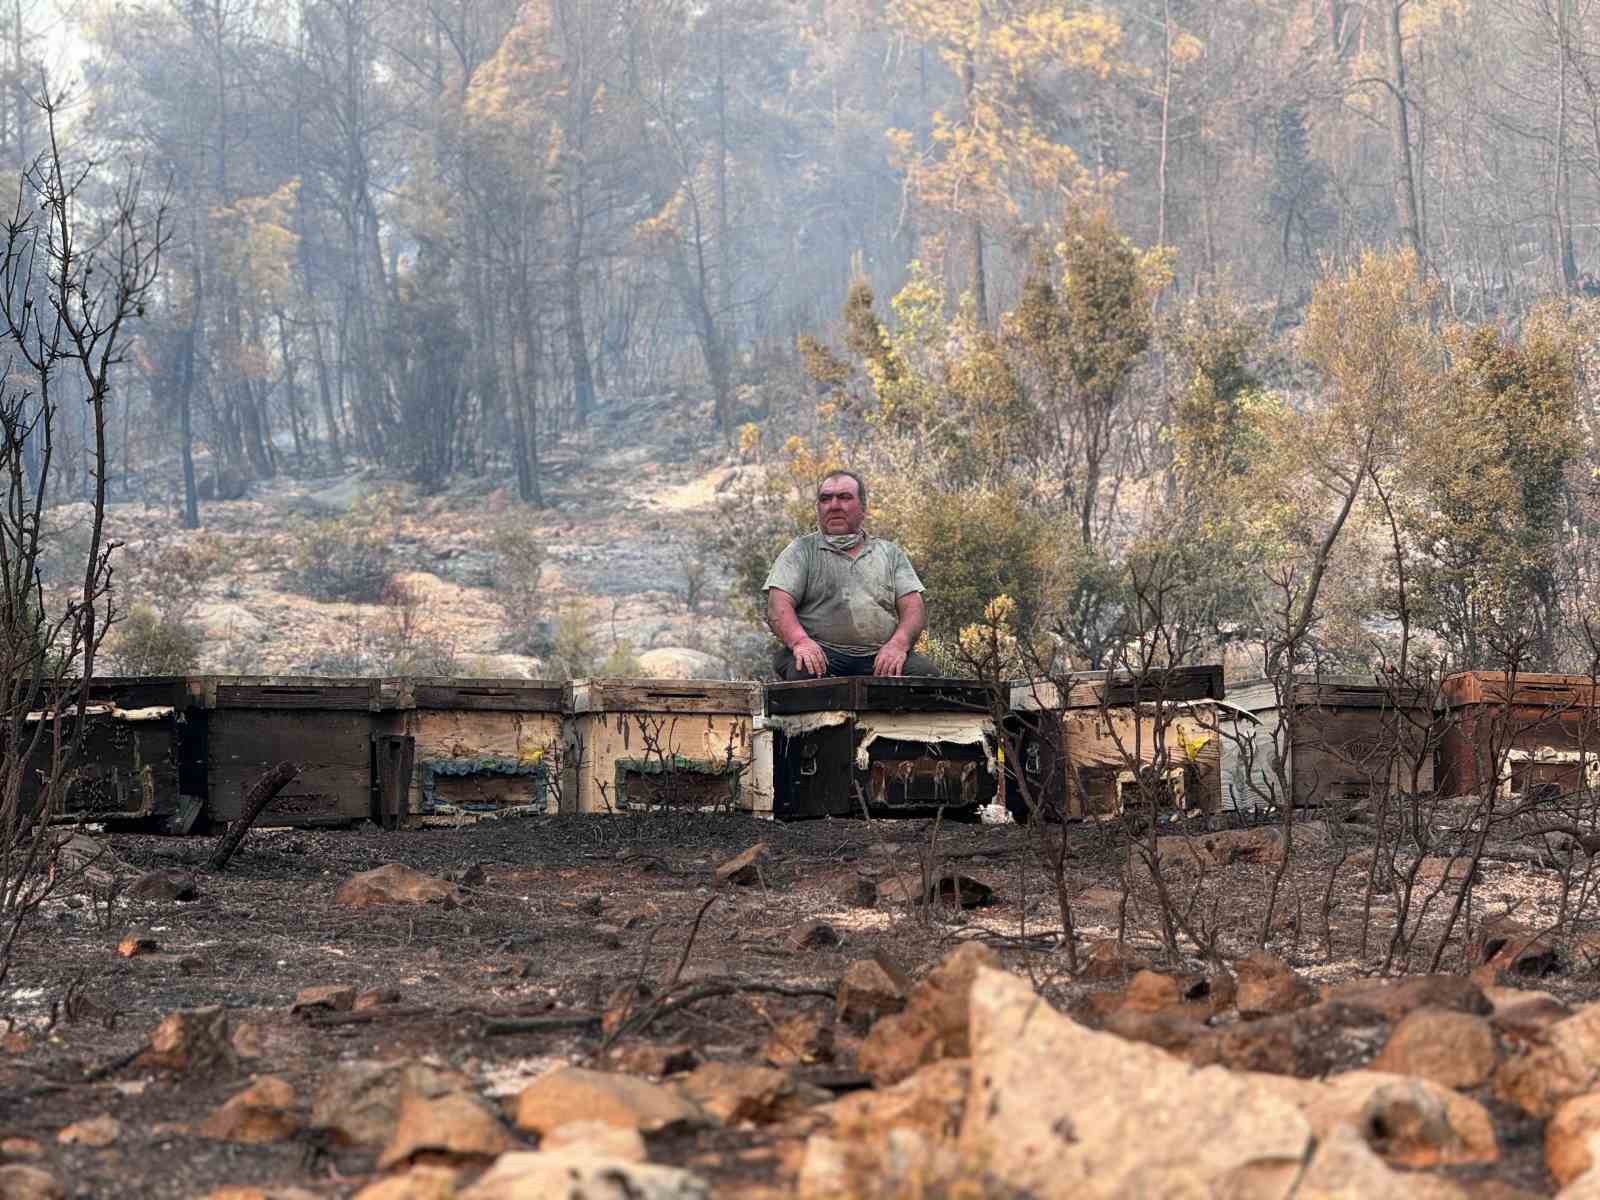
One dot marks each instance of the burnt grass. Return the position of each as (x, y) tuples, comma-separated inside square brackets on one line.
[(569, 911)]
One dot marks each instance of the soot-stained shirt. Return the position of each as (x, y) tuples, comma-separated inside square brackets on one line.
[(845, 604)]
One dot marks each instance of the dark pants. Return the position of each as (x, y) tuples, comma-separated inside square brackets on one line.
[(783, 665)]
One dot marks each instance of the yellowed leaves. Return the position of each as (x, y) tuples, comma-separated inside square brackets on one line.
[(254, 244)]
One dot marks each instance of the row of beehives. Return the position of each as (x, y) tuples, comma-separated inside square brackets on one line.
[(178, 750)]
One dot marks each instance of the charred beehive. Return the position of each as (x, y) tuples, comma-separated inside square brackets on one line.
[(1519, 735), (909, 744)]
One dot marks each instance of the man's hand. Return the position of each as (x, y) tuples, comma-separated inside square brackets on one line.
[(891, 660), (811, 658)]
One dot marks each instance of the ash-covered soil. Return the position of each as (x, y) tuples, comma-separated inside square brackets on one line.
[(561, 918)]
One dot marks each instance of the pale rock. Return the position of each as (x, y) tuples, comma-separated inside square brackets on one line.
[(1453, 1048), (1565, 1064), (395, 884), (871, 988), (1410, 1122), (360, 1102), (419, 1183), (262, 1113), (1345, 1168), (1268, 986), (554, 1099), (97, 1132), (455, 1124), (934, 1023), (1572, 1138), (800, 1041), (1392, 999), (1063, 1111), (931, 1101), (733, 1093), (334, 997), (576, 1175), (596, 1137), (20, 1147), (18, 1182)]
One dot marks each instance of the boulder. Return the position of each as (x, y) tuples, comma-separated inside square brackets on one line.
[(1572, 1138), (1508, 947), (1453, 1048), (814, 935), (1345, 1168), (18, 1182), (1310, 1043), (1108, 958), (1062, 1111), (1410, 1122), (1565, 1064), (622, 1100), (934, 1023), (1268, 986), (733, 1093), (1392, 999), (800, 1041), (454, 1124), (596, 1137), (419, 1183), (679, 662), (262, 1113), (930, 1101), (871, 988), (395, 884), (136, 945), (575, 1174), (359, 1103)]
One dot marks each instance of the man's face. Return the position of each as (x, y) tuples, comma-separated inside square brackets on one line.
[(838, 505)]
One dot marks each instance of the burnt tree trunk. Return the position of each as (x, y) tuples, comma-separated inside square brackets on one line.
[(255, 800)]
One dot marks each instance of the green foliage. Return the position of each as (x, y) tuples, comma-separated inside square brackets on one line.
[(969, 547), (574, 649), (1214, 437), (621, 663), (145, 643)]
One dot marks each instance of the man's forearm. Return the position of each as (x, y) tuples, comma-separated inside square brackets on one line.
[(781, 619), (912, 616)]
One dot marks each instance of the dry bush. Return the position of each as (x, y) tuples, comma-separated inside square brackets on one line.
[(518, 565), (346, 557), (147, 643)]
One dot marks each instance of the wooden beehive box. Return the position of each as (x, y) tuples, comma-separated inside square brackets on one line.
[(668, 743), (1518, 735), (325, 725), (910, 744), (1352, 738), (471, 745), (1102, 741), (140, 758)]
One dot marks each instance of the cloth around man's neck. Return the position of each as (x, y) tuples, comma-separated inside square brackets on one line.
[(843, 542)]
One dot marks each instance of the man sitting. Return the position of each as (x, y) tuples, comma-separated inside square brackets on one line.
[(841, 601)]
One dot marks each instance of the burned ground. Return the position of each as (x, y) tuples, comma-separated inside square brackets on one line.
[(558, 915)]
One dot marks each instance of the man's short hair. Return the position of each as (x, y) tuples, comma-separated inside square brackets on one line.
[(861, 484)]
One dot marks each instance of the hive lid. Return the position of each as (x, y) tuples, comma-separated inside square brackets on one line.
[(868, 693), (711, 696)]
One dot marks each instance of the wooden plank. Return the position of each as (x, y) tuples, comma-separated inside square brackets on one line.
[(292, 692), (321, 793), (831, 694), (665, 696), (495, 695), (268, 737)]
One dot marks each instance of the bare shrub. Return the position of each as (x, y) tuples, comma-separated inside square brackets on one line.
[(518, 565), (147, 643), (346, 557)]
